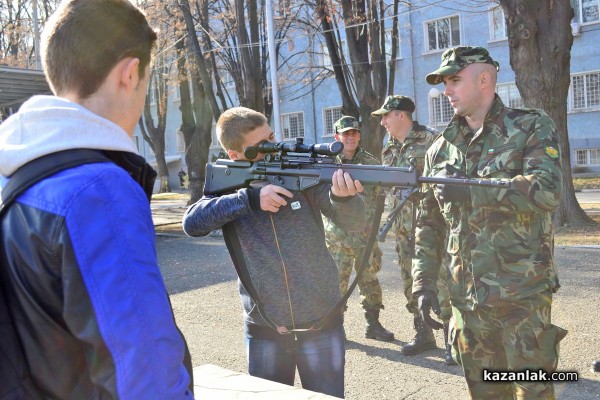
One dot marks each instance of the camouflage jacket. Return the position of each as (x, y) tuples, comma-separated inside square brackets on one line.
[(396, 154), (338, 237), (501, 242)]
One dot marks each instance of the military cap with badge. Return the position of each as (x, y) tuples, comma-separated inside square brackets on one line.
[(458, 58), (397, 102), (345, 124)]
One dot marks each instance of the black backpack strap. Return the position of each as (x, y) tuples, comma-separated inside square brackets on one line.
[(43, 167)]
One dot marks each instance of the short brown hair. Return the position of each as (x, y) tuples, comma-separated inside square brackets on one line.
[(85, 39), (234, 123)]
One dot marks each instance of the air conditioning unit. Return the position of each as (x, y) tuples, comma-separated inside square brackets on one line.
[(576, 29)]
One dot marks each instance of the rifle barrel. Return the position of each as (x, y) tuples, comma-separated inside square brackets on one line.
[(464, 181)]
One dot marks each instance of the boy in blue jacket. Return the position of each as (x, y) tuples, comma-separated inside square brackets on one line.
[(78, 260)]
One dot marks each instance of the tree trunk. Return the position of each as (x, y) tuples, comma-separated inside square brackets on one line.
[(349, 106), (540, 41), (360, 38), (252, 92), (195, 54), (196, 133), (154, 134)]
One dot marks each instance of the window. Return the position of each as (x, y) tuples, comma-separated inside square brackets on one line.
[(330, 115), (441, 110), (510, 95), (442, 33), (587, 157), (286, 7), (226, 79), (151, 94), (388, 45), (585, 92), (176, 93), (497, 24), (586, 10), (180, 142), (292, 125), (325, 59)]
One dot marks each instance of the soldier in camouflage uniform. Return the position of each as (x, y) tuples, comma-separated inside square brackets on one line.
[(408, 143), (347, 248), (500, 239)]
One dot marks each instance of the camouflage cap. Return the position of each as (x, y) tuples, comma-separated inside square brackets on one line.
[(457, 58), (345, 124), (401, 103)]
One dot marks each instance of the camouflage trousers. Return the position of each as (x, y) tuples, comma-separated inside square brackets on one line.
[(405, 262), (507, 336), (347, 260)]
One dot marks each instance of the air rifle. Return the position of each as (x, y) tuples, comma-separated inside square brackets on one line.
[(312, 165)]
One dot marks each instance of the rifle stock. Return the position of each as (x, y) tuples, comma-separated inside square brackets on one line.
[(225, 176)]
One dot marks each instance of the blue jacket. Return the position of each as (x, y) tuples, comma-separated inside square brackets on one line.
[(79, 264)]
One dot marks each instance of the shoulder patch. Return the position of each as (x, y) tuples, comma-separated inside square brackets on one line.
[(551, 151)]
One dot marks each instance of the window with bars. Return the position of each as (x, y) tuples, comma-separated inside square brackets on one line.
[(325, 59), (180, 142), (586, 11), (509, 94), (587, 157), (441, 111), (388, 45), (497, 24), (330, 115), (151, 94), (292, 125), (226, 78), (287, 8), (442, 33), (585, 92)]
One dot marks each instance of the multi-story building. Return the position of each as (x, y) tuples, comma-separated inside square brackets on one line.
[(309, 107)]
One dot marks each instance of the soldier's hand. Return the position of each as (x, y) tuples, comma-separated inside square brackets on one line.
[(342, 184), (426, 301), (271, 197), (453, 193)]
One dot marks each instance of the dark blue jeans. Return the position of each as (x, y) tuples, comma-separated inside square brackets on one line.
[(319, 356)]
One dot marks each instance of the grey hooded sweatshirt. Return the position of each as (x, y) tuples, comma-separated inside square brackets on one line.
[(285, 253)]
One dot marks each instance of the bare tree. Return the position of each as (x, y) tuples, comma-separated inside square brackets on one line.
[(153, 122), (198, 102), (17, 28), (540, 41), (364, 89), (154, 132), (232, 42)]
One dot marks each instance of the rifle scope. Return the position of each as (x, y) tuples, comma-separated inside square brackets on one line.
[(325, 149)]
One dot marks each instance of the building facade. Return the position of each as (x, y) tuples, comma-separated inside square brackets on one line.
[(310, 103)]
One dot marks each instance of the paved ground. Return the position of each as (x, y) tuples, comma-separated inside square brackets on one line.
[(203, 288)]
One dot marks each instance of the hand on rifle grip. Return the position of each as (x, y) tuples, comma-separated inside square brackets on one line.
[(452, 192)]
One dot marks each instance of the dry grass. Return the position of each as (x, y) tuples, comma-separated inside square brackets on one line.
[(586, 235), (171, 196), (586, 183)]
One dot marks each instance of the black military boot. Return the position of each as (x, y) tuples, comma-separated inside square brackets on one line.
[(448, 354), (374, 328), (424, 339), (596, 366)]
